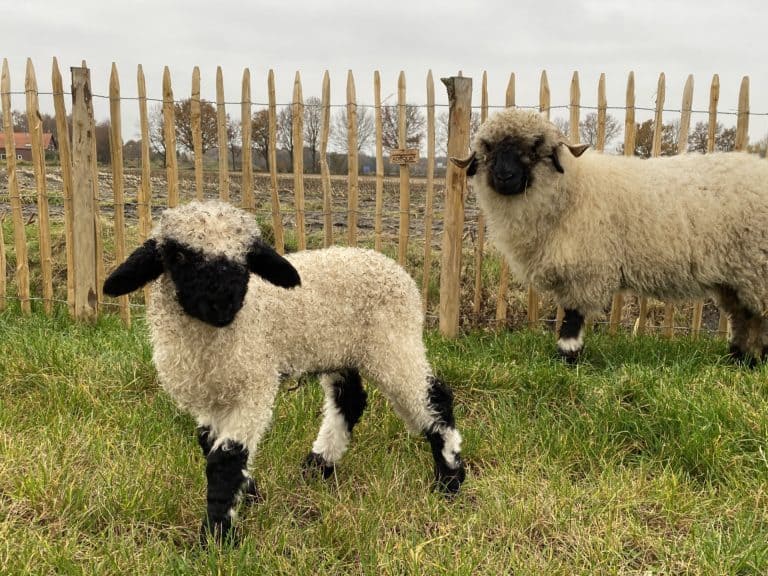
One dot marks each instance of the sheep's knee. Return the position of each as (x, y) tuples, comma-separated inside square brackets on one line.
[(227, 475), (345, 401), (444, 439), (570, 341)]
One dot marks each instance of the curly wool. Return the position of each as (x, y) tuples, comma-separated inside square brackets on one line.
[(354, 308), (673, 227), (229, 316)]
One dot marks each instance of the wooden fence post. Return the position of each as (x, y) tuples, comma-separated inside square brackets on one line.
[(145, 189), (169, 138), (38, 160), (353, 159), (405, 174), (602, 113), (379, 162), (428, 210), (221, 130), (116, 148), (277, 219), (480, 242), (19, 231), (325, 172), (297, 114), (65, 160), (83, 166), (460, 107), (195, 115), (246, 162)]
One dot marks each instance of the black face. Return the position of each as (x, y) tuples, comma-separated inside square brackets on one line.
[(509, 168), (209, 289)]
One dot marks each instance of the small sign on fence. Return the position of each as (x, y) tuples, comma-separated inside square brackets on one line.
[(404, 156)]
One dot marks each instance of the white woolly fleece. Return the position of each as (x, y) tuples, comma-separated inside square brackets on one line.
[(672, 228), (354, 308)]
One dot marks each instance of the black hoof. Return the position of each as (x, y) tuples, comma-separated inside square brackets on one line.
[(314, 463), (449, 480), (219, 531), (741, 358), (570, 357)]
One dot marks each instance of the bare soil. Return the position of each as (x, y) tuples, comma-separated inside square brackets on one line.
[(340, 210)]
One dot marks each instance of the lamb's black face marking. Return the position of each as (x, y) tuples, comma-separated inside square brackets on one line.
[(209, 289), (509, 167)]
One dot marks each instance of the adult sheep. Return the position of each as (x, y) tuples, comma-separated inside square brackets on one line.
[(229, 317), (584, 225)]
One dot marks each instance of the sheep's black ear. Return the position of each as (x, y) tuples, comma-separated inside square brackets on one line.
[(141, 267), (264, 261)]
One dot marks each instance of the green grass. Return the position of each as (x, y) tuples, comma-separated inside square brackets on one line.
[(647, 458)]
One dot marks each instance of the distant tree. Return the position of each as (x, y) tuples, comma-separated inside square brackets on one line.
[(441, 130), (156, 123), (183, 127), (20, 123), (415, 122), (260, 134), (588, 128), (132, 151), (313, 118), (234, 140), (563, 125), (644, 139), (285, 131), (103, 153), (725, 138), (366, 129), (208, 125)]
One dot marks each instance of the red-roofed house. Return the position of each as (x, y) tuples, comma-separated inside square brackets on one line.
[(23, 144)]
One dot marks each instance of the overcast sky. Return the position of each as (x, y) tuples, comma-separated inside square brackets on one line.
[(525, 37)]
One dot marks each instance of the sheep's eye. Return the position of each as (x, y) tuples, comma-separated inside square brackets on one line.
[(179, 258)]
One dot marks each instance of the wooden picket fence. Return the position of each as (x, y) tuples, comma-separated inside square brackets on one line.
[(85, 268)]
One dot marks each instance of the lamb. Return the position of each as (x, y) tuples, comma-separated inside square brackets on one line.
[(585, 225), (229, 317)]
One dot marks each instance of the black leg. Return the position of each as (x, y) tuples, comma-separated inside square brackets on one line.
[(570, 342), (745, 345), (445, 440), (345, 402), (205, 439), (224, 471)]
